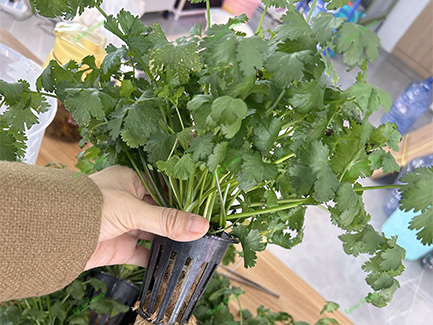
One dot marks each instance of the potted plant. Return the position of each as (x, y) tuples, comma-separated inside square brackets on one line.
[(245, 131), (71, 305)]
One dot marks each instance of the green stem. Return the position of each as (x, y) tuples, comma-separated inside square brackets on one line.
[(264, 211), (98, 125), (180, 118), (208, 13), (379, 187), (190, 191), (150, 177), (172, 149), (40, 93), (233, 199), (102, 12), (263, 204), (223, 211), (134, 165), (175, 192), (208, 202), (323, 208), (279, 161), (310, 13), (261, 19), (240, 310), (277, 101), (49, 309)]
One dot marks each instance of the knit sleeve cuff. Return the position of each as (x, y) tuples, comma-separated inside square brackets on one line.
[(49, 227)]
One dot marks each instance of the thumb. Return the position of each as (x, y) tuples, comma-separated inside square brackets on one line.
[(175, 224)]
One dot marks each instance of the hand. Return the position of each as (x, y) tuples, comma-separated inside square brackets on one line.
[(129, 214)]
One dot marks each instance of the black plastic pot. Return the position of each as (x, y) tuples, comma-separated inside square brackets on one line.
[(177, 275), (117, 289)]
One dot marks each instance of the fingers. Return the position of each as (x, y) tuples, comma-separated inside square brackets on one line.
[(120, 250), (140, 257), (172, 223), (120, 178)]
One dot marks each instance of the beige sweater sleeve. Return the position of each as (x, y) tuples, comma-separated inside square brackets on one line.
[(49, 227)]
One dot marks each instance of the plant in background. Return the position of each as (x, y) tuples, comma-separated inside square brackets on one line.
[(245, 131), (213, 308), (67, 306)]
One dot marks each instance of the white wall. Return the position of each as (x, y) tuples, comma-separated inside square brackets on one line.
[(398, 21)]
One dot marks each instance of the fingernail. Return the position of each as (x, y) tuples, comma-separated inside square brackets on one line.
[(197, 224)]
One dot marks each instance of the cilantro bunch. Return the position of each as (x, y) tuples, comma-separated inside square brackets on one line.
[(245, 131)]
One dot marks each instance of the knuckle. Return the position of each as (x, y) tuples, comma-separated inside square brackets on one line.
[(171, 222)]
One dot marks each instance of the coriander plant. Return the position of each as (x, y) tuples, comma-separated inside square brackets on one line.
[(245, 131)]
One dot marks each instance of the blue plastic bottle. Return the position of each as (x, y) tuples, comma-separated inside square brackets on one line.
[(410, 105)]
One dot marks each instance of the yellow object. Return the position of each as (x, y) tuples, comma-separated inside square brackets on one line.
[(75, 41)]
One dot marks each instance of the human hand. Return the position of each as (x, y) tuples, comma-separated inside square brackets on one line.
[(129, 214)]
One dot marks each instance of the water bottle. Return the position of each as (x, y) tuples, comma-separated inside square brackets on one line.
[(410, 105), (392, 198)]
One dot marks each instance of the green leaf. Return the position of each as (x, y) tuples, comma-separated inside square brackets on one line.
[(180, 60), (294, 27), (365, 241), (392, 258), (8, 150), (218, 156), (200, 106), (19, 116), (87, 103), (131, 25), (58, 310), (279, 3), (228, 112), (324, 25), (255, 170), (201, 146), (306, 96), (314, 158), (357, 43), (45, 80), (266, 133), (140, 123), (76, 289), (159, 146), (12, 92), (184, 168), (416, 194), (251, 243), (250, 52), (329, 307), (108, 306), (67, 9), (335, 4), (293, 64), (381, 159), (425, 222), (112, 59)]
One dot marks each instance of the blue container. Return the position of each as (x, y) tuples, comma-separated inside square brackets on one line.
[(410, 105)]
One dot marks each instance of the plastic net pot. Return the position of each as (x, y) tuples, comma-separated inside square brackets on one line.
[(117, 289), (177, 275), (14, 66)]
